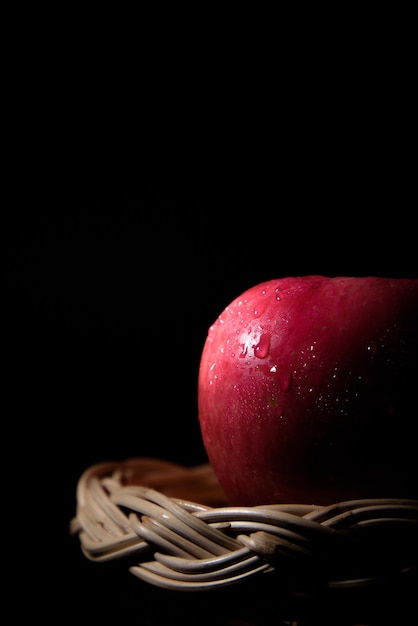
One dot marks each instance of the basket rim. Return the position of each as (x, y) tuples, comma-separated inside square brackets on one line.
[(128, 510)]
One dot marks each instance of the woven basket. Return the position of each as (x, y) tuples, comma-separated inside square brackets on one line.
[(174, 528)]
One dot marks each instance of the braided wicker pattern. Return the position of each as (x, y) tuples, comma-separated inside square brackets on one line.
[(149, 512)]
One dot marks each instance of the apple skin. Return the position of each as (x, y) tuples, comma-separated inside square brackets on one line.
[(307, 391)]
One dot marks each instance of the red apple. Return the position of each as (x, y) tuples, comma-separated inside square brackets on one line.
[(308, 391)]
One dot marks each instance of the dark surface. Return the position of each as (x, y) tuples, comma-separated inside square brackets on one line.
[(126, 235)]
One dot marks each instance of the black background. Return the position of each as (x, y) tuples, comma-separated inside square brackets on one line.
[(139, 207)]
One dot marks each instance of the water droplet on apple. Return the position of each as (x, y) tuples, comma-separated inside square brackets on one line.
[(261, 307), (262, 349), (244, 351), (373, 349), (287, 382), (279, 292)]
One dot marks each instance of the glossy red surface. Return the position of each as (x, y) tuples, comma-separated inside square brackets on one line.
[(305, 390)]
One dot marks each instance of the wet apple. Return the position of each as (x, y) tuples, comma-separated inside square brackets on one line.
[(308, 389)]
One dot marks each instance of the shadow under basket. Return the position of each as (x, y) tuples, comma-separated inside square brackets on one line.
[(174, 529)]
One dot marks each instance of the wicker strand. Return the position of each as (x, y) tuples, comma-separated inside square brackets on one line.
[(130, 509)]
